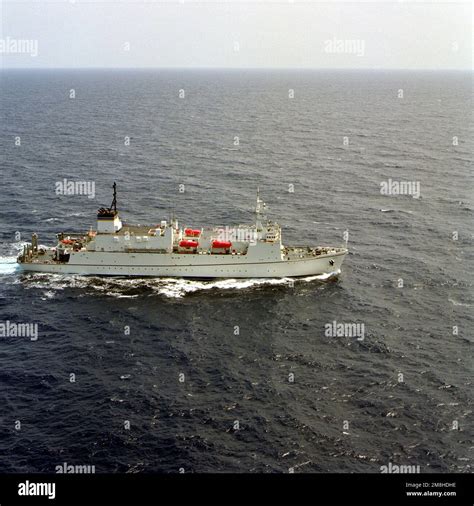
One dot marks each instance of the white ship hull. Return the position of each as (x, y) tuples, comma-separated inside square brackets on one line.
[(187, 266)]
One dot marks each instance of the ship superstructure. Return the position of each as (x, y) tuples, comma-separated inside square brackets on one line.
[(167, 250)]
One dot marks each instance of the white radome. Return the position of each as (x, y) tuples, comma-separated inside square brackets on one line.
[(166, 250)]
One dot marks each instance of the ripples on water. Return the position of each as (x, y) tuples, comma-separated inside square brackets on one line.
[(183, 326)]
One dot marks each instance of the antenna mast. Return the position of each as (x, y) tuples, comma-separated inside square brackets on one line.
[(259, 210), (114, 201)]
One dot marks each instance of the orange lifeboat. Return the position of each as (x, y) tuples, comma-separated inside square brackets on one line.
[(192, 232), (188, 244), (221, 244), (67, 241)]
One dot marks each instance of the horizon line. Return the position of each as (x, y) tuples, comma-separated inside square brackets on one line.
[(244, 68)]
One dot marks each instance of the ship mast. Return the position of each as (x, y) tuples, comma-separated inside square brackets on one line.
[(259, 211), (114, 200), (112, 210)]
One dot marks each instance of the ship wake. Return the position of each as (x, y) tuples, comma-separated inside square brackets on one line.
[(8, 255), (8, 265), (174, 288)]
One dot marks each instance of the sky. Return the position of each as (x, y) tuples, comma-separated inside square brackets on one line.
[(235, 34)]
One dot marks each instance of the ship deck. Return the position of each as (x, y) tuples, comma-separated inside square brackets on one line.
[(136, 229)]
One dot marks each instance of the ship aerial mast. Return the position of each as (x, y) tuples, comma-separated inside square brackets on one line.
[(114, 200), (259, 211)]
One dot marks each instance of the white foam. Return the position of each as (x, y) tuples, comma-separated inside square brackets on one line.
[(167, 287), (457, 303), (8, 265), (48, 294), (77, 214), (176, 288), (322, 277)]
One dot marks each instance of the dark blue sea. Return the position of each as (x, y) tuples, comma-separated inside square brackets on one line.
[(402, 395)]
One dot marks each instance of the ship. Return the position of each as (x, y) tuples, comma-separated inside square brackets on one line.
[(116, 248)]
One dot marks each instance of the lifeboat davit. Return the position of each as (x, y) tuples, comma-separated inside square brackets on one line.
[(188, 244), (221, 244), (192, 232)]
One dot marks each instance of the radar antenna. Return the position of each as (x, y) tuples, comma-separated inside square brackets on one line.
[(114, 200), (259, 210), (109, 212)]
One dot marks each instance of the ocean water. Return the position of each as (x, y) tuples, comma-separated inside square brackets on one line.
[(403, 394)]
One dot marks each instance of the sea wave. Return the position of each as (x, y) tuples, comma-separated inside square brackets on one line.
[(10, 252), (8, 265), (136, 287)]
